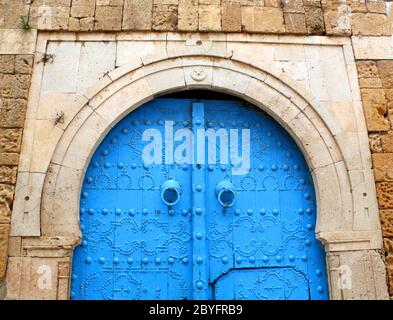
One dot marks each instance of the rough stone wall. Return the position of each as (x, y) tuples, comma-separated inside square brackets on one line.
[(306, 17), (15, 73), (330, 17), (376, 83)]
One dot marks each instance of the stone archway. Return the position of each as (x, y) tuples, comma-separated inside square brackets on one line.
[(347, 225)]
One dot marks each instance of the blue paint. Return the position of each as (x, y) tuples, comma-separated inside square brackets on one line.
[(137, 246)]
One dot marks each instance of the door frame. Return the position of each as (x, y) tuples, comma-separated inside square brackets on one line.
[(344, 191)]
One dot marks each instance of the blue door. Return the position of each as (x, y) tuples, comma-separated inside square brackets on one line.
[(193, 199)]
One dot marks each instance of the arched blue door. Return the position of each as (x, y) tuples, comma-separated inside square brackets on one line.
[(172, 207)]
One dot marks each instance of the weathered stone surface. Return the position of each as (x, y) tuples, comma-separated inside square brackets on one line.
[(231, 17), (375, 108), (50, 15), (188, 15), (9, 159), (385, 68), (375, 142), (314, 20), (4, 234), (137, 14), (376, 116), (338, 22), (262, 19), (293, 6), (164, 17), (12, 113), (7, 63), (367, 69), (376, 6), (14, 41), (87, 24), (10, 13), (83, 8), (368, 74), (370, 24), (374, 95), (6, 199), (383, 166), (387, 222), (387, 142), (388, 245), (8, 174), (23, 64), (14, 86), (385, 195), (108, 18), (10, 140), (295, 22), (210, 17)]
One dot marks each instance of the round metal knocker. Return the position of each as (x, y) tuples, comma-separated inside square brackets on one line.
[(226, 193), (170, 192)]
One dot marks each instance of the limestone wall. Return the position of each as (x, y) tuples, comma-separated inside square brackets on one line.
[(331, 17), (368, 19)]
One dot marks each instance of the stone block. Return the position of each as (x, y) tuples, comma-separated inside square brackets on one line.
[(24, 64), (60, 75), (387, 142), (376, 6), (375, 142), (375, 48), (7, 63), (383, 166), (6, 199), (12, 113), (50, 15), (231, 17), (209, 17), (370, 24), (8, 174), (293, 6), (374, 95), (25, 219), (188, 15), (11, 11), (10, 140), (87, 24), (74, 24), (367, 69), (14, 86), (262, 19), (385, 68), (17, 41), (164, 17), (338, 22), (387, 222), (314, 20), (4, 234), (295, 22), (96, 60), (9, 159), (375, 116), (385, 195), (137, 14), (83, 8), (108, 18)]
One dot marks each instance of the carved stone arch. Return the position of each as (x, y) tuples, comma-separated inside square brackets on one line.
[(340, 225)]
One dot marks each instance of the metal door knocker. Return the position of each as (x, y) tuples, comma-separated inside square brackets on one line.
[(226, 193), (170, 192)]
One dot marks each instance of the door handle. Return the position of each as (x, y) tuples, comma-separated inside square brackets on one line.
[(226, 193), (170, 192)]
